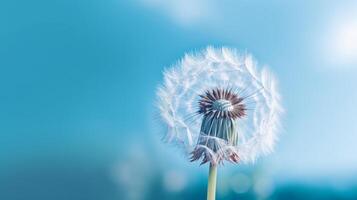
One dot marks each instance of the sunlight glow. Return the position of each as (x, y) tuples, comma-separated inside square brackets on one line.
[(340, 40), (346, 41)]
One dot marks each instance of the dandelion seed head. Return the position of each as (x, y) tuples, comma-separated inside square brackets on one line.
[(218, 106)]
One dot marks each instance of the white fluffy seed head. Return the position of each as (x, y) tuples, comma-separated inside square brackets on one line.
[(211, 68)]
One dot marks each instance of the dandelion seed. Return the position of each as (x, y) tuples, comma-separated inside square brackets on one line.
[(219, 107)]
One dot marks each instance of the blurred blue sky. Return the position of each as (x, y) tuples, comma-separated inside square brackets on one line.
[(78, 81)]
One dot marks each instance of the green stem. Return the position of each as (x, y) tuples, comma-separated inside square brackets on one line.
[(212, 179)]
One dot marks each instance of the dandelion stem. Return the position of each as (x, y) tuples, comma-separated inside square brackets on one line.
[(212, 179)]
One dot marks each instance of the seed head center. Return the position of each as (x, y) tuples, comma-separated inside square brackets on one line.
[(222, 105)]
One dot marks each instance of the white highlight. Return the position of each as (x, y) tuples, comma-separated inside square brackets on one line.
[(133, 173), (340, 40), (346, 40), (263, 187), (175, 181), (240, 183), (222, 67), (222, 105)]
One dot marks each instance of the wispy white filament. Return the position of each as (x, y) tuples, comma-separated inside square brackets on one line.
[(221, 68)]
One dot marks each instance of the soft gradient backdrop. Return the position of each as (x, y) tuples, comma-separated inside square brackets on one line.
[(77, 94)]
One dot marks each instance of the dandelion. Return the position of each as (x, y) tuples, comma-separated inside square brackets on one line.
[(219, 107)]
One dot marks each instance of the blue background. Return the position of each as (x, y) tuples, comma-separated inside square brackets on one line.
[(77, 94)]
